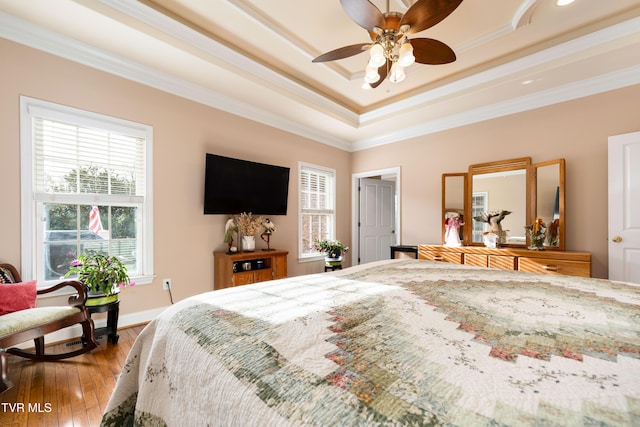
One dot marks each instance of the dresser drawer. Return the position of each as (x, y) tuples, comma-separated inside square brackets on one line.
[(476, 260), (452, 257), (554, 266), (502, 262)]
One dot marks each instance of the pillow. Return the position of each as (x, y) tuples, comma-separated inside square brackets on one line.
[(17, 296), (6, 276)]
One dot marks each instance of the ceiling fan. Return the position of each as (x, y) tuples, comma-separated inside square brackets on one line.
[(392, 50)]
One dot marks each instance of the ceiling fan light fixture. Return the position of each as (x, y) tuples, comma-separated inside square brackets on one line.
[(405, 56), (390, 47), (376, 53), (396, 75), (371, 74)]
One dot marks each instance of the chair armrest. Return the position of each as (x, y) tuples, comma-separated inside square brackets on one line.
[(74, 300)]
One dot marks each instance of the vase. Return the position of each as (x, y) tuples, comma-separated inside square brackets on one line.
[(248, 243), (333, 261), (100, 298), (537, 244)]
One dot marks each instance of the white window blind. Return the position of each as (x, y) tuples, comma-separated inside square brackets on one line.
[(114, 162), (317, 207)]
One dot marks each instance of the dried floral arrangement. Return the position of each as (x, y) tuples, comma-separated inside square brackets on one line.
[(247, 224)]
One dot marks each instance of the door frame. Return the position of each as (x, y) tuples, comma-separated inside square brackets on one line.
[(392, 173)]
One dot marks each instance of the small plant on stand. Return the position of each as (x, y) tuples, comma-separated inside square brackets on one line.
[(103, 275), (333, 250)]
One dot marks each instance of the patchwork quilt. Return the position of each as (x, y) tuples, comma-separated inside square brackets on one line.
[(392, 343)]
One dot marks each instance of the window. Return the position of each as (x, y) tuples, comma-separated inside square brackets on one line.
[(479, 204), (317, 200), (86, 188)]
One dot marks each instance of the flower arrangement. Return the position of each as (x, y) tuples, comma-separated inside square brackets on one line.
[(247, 224), (100, 273), (537, 233), (332, 248)]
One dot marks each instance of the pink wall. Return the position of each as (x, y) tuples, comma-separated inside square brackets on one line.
[(575, 130), (184, 238), (184, 131)]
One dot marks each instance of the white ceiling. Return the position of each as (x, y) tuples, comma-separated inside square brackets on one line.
[(253, 58)]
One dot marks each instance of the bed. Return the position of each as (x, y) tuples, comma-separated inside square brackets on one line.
[(391, 343)]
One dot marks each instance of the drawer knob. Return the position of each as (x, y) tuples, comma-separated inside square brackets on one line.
[(438, 258), (616, 239), (551, 267)]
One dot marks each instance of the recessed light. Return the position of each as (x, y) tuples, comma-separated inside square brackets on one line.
[(564, 2)]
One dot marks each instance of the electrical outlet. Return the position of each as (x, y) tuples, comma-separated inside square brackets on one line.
[(166, 284)]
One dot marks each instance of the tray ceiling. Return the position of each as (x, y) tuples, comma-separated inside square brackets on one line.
[(253, 58)]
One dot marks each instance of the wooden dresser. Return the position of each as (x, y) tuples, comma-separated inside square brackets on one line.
[(247, 267), (566, 263)]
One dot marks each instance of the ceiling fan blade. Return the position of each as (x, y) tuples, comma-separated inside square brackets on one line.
[(342, 52), (432, 52), (425, 14), (363, 13), (382, 71)]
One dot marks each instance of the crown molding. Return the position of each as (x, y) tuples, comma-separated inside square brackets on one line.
[(19, 31), (31, 35), (604, 83)]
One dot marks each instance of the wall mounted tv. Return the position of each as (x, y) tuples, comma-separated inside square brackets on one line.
[(233, 186)]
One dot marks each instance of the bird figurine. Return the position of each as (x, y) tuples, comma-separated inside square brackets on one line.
[(269, 228), (493, 218)]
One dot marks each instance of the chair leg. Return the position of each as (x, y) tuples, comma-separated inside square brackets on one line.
[(39, 345), (5, 383), (90, 344)]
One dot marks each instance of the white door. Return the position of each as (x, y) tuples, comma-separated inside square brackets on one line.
[(624, 207), (377, 219)]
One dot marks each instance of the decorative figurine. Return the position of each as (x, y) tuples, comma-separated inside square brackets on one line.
[(536, 232), (452, 230), (552, 232), (230, 228), (269, 228), (493, 218)]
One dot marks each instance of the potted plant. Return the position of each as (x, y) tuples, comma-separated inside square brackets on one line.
[(103, 275), (333, 250)]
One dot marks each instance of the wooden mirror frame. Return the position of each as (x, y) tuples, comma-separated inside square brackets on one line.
[(532, 189), (559, 208), (523, 163), (447, 207)]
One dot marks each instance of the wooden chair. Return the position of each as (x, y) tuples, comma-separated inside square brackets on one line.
[(35, 323)]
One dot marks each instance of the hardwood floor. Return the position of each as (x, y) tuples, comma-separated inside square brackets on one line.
[(72, 392)]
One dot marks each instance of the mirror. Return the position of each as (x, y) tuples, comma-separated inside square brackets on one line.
[(548, 183), (498, 202), (454, 187), (526, 191)]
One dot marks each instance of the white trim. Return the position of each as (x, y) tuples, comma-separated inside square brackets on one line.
[(614, 80), (328, 170), (30, 107), (355, 205), (34, 36)]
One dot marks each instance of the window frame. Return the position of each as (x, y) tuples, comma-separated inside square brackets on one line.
[(331, 211), (32, 234)]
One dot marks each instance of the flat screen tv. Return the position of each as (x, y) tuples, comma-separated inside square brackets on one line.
[(233, 186)]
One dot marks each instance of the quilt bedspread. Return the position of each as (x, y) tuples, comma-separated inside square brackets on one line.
[(392, 343)]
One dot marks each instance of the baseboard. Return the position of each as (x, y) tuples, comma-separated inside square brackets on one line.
[(75, 331)]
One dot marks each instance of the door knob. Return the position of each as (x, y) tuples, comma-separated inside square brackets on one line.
[(616, 239)]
